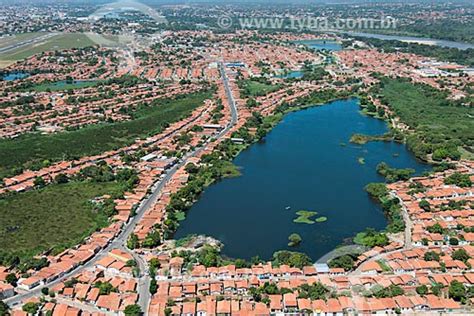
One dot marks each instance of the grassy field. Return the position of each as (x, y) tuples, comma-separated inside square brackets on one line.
[(59, 86), (437, 122), (55, 216), (32, 149), (255, 88), (57, 42)]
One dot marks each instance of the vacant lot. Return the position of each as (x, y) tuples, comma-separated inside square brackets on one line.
[(54, 217), (34, 148), (256, 88), (63, 85)]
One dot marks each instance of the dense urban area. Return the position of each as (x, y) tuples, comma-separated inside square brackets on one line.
[(115, 119)]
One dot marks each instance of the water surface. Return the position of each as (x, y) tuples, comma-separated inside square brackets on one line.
[(291, 74), (418, 40), (306, 162), (15, 76), (321, 44)]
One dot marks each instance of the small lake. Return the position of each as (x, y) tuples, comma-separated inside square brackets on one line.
[(419, 40), (290, 75), (307, 163), (15, 76), (321, 45)]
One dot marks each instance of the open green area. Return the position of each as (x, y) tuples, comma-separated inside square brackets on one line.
[(304, 217), (64, 85), (57, 42), (30, 151), (57, 216), (440, 126), (252, 88)]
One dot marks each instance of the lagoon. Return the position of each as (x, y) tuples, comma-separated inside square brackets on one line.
[(418, 40), (15, 76), (306, 163), (321, 44), (294, 74)]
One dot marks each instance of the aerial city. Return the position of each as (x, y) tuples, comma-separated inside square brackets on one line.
[(199, 158)]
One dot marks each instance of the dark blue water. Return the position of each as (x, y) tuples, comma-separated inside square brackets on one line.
[(15, 76), (321, 44), (301, 164)]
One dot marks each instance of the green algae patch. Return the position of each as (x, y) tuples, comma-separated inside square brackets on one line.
[(304, 217), (321, 219)]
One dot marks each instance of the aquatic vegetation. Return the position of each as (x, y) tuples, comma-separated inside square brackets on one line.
[(294, 240), (304, 217)]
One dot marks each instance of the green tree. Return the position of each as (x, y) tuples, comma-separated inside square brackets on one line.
[(461, 255), (431, 256), (133, 242), (133, 310), (376, 190), (30, 308), (4, 309), (436, 229), (453, 241), (436, 289), (11, 279), (460, 179), (61, 178), (191, 168), (293, 259), (425, 205), (154, 263), (346, 262), (152, 239), (45, 291), (389, 291), (457, 291), (316, 291), (209, 257), (153, 287), (422, 290), (39, 182), (105, 288)]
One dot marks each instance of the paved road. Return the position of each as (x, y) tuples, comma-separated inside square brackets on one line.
[(122, 237), (344, 250), (407, 243)]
